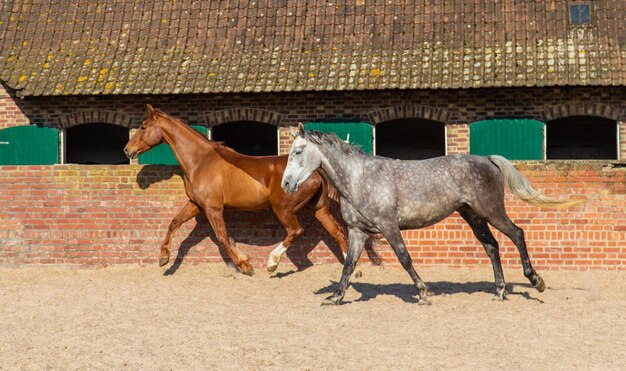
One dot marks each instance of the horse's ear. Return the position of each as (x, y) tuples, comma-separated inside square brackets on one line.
[(150, 109), (293, 133), (301, 129)]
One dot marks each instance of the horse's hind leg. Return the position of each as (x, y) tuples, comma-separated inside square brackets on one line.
[(187, 212), (329, 223), (216, 219), (294, 231), (501, 222), (484, 235), (394, 237)]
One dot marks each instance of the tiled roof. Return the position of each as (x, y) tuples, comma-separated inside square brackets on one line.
[(190, 46)]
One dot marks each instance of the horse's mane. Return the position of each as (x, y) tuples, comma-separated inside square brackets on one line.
[(183, 123), (334, 141), (223, 147)]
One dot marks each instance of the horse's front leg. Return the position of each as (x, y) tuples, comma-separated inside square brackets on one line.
[(394, 237), (294, 231), (216, 219), (187, 212), (329, 222), (357, 239)]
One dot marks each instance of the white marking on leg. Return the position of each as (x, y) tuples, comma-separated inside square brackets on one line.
[(275, 255)]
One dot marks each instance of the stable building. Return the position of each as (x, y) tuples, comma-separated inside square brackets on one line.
[(539, 82)]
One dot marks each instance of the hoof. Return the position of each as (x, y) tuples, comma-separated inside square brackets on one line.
[(358, 274), (163, 261), (540, 285), (332, 300), (246, 269), (423, 301), (499, 297), (272, 268)]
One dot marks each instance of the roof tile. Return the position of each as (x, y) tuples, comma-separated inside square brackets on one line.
[(195, 46)]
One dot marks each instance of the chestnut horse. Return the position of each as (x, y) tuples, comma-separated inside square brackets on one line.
[(216, 177)]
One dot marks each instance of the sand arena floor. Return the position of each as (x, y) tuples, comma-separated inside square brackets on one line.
[(210, 317)]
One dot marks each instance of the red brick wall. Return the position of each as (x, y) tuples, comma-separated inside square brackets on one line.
[(10, 113), (88, 216), (457, 139)]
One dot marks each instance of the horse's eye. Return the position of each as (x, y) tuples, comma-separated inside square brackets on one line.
[(299, 151), (142, 128)]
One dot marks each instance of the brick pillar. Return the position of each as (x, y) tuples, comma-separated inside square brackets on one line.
[(133, 161), (10, 112), (284, 140), (458, 139)]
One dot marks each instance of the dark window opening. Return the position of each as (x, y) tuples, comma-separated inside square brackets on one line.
[(581, 137), (580, 13), (96, 144), (248, 137), (411, 139)]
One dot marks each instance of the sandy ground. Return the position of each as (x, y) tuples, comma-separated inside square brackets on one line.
[(210, 317)]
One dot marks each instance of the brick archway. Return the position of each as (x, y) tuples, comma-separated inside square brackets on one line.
[(405, 112), (580, 109), (87, 117), (242, 114)]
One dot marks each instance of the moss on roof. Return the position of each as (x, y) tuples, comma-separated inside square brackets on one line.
[(179, 47)]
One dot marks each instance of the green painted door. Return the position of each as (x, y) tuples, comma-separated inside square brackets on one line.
[(361, 133), (515, 139), (162, 154), (29, 145)]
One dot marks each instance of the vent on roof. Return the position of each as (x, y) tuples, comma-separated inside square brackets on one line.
[(580, 14)]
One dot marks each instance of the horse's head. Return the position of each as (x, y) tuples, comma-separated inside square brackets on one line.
[(304, 159), (147, 136)]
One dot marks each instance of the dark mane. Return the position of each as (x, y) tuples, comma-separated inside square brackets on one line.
[(223, 148), (334, 141)]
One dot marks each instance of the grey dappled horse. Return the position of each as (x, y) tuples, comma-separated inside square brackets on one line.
[(381, 195)]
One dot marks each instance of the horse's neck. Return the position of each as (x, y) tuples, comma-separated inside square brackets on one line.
[(188, 148), (341, 169)]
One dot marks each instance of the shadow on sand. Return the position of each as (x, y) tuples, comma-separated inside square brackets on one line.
[(373, 257), (407, 292)]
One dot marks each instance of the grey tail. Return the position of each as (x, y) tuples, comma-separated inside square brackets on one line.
[(521, 187)]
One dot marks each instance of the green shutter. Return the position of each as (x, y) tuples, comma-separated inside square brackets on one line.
[(162, 154), (515, 139), (360, 132), (29, 145)]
